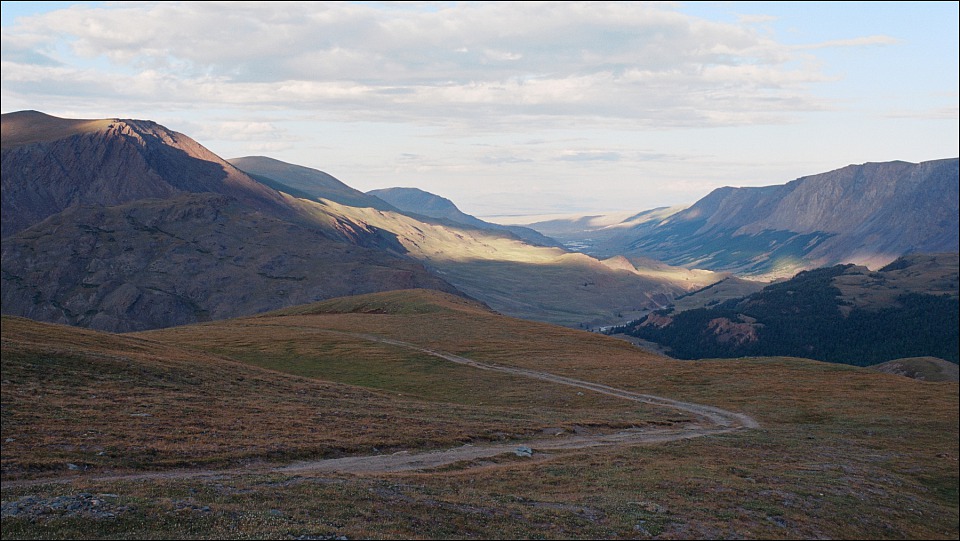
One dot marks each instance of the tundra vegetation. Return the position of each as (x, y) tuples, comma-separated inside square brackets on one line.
[(176, 433)]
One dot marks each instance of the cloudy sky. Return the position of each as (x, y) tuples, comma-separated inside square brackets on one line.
[(509, 107)]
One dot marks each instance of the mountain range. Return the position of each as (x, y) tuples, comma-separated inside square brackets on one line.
[(867, 214), (125, 225)]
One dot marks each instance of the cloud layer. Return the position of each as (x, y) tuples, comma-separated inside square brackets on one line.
[(547, 106), (638, 64)]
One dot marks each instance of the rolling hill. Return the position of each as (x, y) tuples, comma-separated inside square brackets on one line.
[(347, 417)]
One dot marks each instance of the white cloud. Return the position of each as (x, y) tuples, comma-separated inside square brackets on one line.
[(517, 104), (599, 62)]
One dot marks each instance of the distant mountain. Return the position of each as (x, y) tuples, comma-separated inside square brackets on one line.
[(422, 203), (844, 313), (50, 164), (306, 182), (123, 225), (522, 280), (866, 214)]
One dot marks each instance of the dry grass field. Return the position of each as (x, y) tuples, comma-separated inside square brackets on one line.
[(195, 412)]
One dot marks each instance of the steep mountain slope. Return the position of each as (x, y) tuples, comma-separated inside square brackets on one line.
[(421, 203), (125, 225), (491, 263), (844, 314), (306, 182), (50, 164), (864, 214)]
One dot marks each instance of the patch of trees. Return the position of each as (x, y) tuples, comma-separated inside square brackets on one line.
[(802, 318)]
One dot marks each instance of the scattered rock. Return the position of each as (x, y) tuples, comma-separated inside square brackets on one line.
[(183, 505), (523, 451), (779, 521), (94, 506)]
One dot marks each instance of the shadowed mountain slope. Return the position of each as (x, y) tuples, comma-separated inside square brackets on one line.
[(307, 182), (843, 313), (125, 225), (422, 203), (518, 279), (490, 263)]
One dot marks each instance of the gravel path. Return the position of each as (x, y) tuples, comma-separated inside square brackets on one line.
[(713, 421)]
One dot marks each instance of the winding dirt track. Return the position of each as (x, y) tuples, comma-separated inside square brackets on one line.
[(714, 421)]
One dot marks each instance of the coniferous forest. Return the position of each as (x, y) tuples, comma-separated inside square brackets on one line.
[(806, 317)]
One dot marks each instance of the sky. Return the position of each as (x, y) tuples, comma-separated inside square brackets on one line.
[(510, 108)]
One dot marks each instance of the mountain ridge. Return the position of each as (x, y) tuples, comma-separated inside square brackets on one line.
[(124, 225), (867, 214), (423, 203), (127, 225)]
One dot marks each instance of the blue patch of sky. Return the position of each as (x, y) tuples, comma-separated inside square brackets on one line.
[(924, 57), (10, 11)]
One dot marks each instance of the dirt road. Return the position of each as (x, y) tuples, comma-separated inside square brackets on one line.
[(712, 421)]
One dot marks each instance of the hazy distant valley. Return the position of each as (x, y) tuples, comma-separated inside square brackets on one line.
[(201, 347)]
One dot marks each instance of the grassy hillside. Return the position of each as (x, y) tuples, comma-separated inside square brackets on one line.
[(922, 368), (841, 451), (521, 280)]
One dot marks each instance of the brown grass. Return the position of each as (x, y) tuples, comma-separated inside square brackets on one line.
[(843, 452)]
